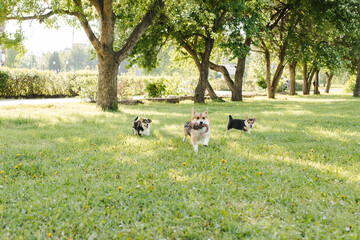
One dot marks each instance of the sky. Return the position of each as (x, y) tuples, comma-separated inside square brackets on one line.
[(40, 39)]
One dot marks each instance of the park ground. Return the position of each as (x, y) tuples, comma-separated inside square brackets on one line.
[(72, 171)]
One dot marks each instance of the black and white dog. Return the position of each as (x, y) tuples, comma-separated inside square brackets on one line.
[(240, 124), (141, 126)]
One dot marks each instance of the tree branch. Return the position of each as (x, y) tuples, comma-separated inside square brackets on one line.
[(86, 26), (139, 30)]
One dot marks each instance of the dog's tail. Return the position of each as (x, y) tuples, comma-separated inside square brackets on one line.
[(230, 118), (136, 118)]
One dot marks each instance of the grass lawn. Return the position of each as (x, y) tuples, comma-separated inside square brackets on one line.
[(71, 171)]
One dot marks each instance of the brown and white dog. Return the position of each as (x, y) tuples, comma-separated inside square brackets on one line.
[(198, 128), (141, 126)]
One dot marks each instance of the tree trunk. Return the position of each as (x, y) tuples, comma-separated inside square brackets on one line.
[(212, 93), (271, 94), (305, 89), (203, 67), (201, 86), (316, 82), (357, 84), (107, 82), (292, 73), (239, 73), (225, 73), (328, 81), (234, 86), (273, 83), (307, 79)]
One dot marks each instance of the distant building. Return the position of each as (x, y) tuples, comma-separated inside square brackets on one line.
[(2, 48)]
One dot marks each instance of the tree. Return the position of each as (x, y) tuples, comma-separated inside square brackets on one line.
[(275, 38), (292, 76), (357, 83), (120, 24), (54, 63), (193, 27), (242, 22), (79, 58), (329, 77)]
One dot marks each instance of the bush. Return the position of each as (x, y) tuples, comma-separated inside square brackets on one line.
[(33, 83), (261, 83), (155, 88), (350, 84), (3, 80)]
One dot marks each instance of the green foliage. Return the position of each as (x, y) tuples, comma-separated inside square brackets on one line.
[(350, 84), (54, 62), (155, 88), (4, 76), (282, 87), (32, 83), (73, 171), (83, 83), (261, 83)]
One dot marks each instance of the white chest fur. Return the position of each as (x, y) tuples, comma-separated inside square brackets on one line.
[(146, 131)]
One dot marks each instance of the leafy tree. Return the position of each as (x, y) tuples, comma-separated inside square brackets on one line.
[(120, 25), (193, 26), (11, 58), (276, 36), (190, 26), (242, 22), (79, 58), (54, 63)]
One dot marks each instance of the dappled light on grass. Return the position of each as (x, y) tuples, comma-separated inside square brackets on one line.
[(344, 136), (295, 176), (279, 154)]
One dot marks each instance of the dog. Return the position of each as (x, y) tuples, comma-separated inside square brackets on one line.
[(244, 125), (141, 126), (198, 128)]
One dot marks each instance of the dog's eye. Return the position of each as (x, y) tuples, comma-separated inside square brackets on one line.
[(204, 118), (198, 118)]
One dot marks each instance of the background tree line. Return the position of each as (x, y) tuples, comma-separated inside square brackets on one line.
[(306, 36)]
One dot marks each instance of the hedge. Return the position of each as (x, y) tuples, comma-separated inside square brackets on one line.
[(26, 83)]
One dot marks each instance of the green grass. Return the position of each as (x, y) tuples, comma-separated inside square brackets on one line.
[(73, 171)]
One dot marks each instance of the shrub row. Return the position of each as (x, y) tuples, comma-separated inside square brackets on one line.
[(25, 83)]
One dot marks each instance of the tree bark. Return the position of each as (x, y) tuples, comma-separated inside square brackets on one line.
[(201, 86), (328, 81), (203, 66), (268, 74), (237, 85), (316, 82), (107, 82), (307, 79), (109, 60), (357, 83), (212, 93), (292, 73)]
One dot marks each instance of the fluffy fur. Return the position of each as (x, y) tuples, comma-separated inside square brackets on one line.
[(198, 128), (240, 124), (141, 126)]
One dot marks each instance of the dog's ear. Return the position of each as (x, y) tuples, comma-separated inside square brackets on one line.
[(206, 111), (254, 119), (247, 117), (192, 111), (149, 120)]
